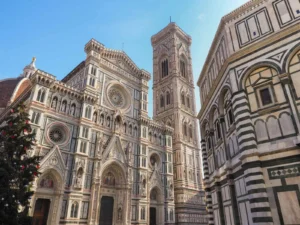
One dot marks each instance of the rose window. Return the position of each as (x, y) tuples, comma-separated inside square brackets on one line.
[(58, 133), (116, 97)]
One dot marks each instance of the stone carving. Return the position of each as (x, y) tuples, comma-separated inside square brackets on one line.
[(170, 191), (53, 161), (129, 152), (54, 103), (72, 110), (120, 213), (100, 145), (78, 180)]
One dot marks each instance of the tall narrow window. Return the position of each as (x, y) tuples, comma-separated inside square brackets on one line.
[(143, 213), (182, 68), (182, 99), (168, 98), (88, 112), (188, 101), (162, 101), (218, 129), (74, 210), (184, 129), (164, 68), (191, 131), (41, 95), (230, 116), (35, 118)]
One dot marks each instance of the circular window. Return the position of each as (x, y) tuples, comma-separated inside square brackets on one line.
[(118, 96), (57, 133)]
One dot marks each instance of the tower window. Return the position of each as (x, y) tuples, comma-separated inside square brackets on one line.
[(164, 68), (230, 117), (162, 101), (168, 98), (265, 96), (182, 68), (182, 99), (184, 129), (188, 102)]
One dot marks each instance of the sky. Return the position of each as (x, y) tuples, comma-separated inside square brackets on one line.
[(55, 32)]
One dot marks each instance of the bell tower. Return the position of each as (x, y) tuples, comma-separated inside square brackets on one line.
[(174, 105)]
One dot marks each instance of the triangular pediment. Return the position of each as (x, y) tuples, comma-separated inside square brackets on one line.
[(121, 60), (114, 150), (155, 179), (53, 160)]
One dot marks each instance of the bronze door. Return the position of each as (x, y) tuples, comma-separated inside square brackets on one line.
[(106, 212), (41, 211), (152, 216)]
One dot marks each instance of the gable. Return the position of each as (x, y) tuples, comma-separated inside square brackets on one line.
[(114, 150)]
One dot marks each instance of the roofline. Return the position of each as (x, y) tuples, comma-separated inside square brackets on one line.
[(224, 20)]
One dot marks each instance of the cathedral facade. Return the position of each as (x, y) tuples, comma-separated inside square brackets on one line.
[(250, 129), (104, 161)]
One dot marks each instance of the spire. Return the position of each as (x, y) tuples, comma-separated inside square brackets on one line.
[(29, 69)]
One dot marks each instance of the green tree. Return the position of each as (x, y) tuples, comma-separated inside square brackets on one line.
[(17, 169)]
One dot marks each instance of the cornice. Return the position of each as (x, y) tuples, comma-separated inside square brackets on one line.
[(171, 28), (241, 11), (247, 50)]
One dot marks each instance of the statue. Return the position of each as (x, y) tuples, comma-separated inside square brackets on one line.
[(78, 180), (120, 213), (99, 147), (95, 117), (129, 151), (73, 110), (54, 103), (170, 191)]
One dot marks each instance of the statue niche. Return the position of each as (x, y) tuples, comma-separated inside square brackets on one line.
[(78, 180)]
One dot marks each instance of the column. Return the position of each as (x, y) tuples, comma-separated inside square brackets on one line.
[(209, 208), (235, 210), (204, 160), (255, 184), (220, 203)]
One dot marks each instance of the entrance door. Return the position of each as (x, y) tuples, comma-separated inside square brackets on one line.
[(106, 212), (41, 211), (152, 216)]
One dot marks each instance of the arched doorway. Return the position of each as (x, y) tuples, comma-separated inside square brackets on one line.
[(114, 196), (156, 208), (47, 198)]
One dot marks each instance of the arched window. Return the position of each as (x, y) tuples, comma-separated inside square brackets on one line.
[(88, 111), (54, 102), (150, 136), (41, 95), (191, 131), (144, 132), (74, 210), (184, 129), (164, 68), (182, 68), (168, 98), (63, 107), (130, 129), (162, 101), (182, 99)]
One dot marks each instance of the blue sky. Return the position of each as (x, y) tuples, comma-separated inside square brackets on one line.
[(56, 31)]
